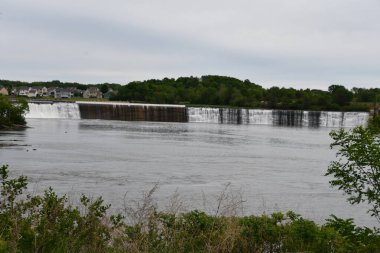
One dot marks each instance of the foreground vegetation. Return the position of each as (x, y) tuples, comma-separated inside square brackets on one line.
[(357, 169), (12, 114), (49, 223)]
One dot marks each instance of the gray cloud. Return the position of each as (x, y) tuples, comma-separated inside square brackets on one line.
[(287, 43)]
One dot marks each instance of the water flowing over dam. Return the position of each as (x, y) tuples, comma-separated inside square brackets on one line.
[(108, 111), (278, 117), (46, 110), (133, 112), (180, 113)]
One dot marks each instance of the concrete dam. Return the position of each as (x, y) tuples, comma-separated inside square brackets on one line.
[(181, 113)]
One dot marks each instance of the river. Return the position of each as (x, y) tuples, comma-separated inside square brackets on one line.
[(274, 168)]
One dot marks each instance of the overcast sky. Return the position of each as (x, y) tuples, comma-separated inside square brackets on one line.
[(292, 43)]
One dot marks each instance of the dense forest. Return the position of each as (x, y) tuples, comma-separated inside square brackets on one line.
[(227, 91)]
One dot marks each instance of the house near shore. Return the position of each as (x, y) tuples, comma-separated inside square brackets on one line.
[(22, 91), (41, 91), (54, 92), (32, 93), (51, 91), (63, 93), (4, 91), (92, 92), (76, 92)]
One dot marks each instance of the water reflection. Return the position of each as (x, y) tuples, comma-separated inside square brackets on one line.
[(12, 139)]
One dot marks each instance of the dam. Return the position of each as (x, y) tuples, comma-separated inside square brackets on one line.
[(108, 111), (132, 112), (181, 113)]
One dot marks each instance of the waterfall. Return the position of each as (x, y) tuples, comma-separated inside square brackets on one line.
[(53, 111), (207, 115), (295, 118), (288, 118), (352, 119), (133, 112), (179, 113)]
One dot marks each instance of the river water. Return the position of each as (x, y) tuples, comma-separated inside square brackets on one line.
[(273, 168)]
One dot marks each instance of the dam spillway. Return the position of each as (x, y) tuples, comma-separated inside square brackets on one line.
[(133, 112), (50, 110), (181, 113), (294, 118)]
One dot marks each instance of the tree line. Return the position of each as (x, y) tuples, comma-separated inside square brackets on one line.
[(211, 90), (228, 91)]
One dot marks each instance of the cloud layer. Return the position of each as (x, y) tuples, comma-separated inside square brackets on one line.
[(294, 43)]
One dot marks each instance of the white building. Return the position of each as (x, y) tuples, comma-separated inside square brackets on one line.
[(32, 93), (23, 91)]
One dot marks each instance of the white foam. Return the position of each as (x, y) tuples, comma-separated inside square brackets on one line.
[(269, 117), (53, 111)]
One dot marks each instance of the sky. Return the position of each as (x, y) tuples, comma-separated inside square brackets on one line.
[(292, 43)]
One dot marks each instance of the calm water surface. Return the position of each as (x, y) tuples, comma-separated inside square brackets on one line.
[(275, 168)]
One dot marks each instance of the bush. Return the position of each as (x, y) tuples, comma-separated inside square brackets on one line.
[(48, 223)]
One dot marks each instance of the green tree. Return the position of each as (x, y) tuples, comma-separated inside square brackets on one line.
[(357, 170), (340, 95), (12, 114), (104, 88)]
